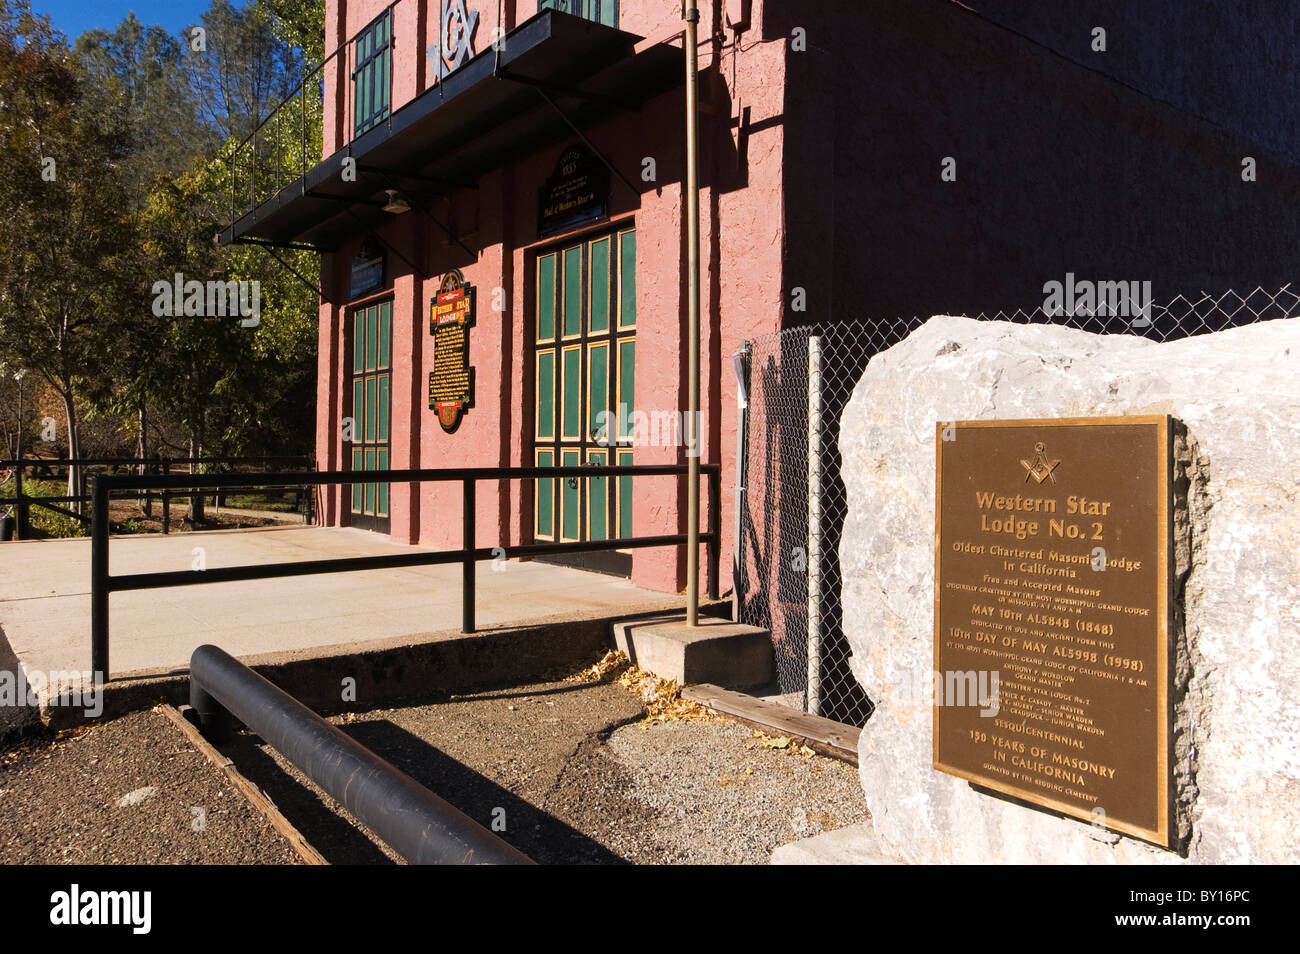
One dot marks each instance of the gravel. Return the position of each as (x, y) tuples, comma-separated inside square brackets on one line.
[(126, 792), (578, 777)]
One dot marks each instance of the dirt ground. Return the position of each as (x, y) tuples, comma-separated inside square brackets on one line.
[(129, 791), (580, 777), (575, 771)]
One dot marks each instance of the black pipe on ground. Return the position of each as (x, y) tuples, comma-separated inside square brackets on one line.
[(417, 824)]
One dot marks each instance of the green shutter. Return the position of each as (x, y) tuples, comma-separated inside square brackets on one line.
[(372, 422), (627, 280), (357, 464), (546, 394), (358, 341), (546, 298), (624, 497), (545, 502), (626, 385), (571, 396), (598, 389), (381, 463), (597, 500), (385, 335), (572, 291), (598, 308), (569, 496)]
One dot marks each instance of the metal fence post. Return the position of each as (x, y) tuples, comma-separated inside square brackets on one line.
[(741, 362), (467, 564), (99, 582), (21, 529), (814, 523)]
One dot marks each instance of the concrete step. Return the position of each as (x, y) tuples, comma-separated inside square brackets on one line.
[(717, 651)]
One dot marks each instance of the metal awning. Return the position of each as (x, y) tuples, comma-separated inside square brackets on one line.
[(555, 73)]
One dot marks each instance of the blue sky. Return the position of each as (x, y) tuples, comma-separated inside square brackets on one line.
[(74, 17)]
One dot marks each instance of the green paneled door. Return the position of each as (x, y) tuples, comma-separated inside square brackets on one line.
[(371, 410), (585, 347)]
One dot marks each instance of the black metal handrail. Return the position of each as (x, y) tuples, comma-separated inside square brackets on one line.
[(23, 502), (102, 583)]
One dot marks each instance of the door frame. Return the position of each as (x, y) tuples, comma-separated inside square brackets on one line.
[(376, 522), (544, 448)]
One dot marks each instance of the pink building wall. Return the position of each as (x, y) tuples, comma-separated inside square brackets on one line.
[(742, 239)]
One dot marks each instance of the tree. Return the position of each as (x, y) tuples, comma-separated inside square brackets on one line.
[(145, 68), (66, 261)]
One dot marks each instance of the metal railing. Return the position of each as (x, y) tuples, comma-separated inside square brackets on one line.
[(264, 162), (55, 469), (102, 584)]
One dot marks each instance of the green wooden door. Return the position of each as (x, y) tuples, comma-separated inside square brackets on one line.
[(371, 392), (585, 357)]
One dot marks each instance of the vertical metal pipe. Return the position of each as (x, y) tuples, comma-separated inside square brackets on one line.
[(814, 524), (715, 531), (99, 582), (467, 560), (741, 362), (691, 14)]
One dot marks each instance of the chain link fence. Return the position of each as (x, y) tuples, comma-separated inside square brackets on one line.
[(794, 502)]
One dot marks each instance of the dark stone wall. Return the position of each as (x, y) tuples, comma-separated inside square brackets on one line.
[(1111, 175)]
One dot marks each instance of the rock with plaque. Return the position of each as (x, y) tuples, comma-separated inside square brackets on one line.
[(1053, 615)]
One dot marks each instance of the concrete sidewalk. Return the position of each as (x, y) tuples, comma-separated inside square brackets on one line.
[(45, 598)]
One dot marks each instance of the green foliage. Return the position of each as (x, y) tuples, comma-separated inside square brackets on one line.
[(66, 251), (49, 523), (143, 127)]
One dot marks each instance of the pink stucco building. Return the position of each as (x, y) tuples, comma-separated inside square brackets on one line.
[(537, 156), (858, 163)]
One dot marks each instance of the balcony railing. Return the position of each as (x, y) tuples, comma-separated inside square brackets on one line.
[(283, 145)]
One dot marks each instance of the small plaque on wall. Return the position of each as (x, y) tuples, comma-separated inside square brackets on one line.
[(367, 273), (451, 384), (576, 194)]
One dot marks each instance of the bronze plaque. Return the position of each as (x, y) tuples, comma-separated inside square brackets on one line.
[(451, 383), (1052, 618)]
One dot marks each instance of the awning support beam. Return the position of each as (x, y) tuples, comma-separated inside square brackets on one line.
[(270, 250), (587, 142), (388, 245)]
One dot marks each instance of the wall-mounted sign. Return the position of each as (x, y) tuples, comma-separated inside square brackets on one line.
[(1052, 615), (451, 385), (455, 45), (576, 194), (367, 273)]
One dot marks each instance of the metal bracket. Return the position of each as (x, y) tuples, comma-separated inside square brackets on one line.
[(388, 245), (270, 248)]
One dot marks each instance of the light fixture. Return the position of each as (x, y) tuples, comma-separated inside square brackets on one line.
[(396, 204)]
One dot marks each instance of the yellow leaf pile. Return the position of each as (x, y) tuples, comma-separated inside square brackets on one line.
[(663, 698), (612, 663)]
